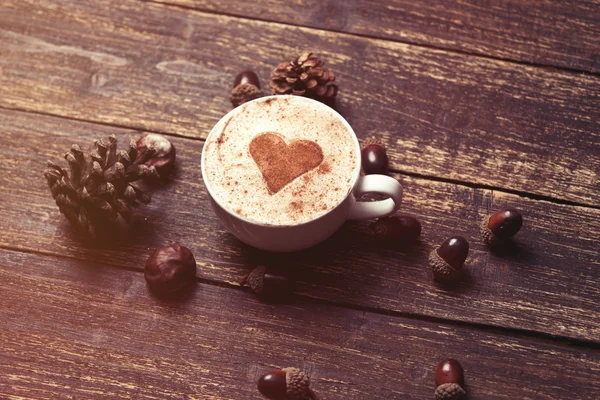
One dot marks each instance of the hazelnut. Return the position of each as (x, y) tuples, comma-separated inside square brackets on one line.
[(449, 371), (400, 229), (170, 269), (269, 284), (449, 391), (156, 151), (374, 159), (286, 384), (447, 261), (501, 226)]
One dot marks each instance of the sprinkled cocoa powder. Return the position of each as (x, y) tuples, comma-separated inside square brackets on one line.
[(297, 206), (324, 168)]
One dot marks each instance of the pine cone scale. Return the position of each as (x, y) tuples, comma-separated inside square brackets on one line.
[(321, 90), (311, 84), (310, 63)]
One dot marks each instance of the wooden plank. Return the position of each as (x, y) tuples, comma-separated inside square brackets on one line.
[(440, 113), (563, 34), (73, 329), (549, 285)]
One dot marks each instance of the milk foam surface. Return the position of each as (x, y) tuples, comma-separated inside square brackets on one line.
[(237, 183)]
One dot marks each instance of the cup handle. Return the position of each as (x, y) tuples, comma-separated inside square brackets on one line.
[(381, 184)]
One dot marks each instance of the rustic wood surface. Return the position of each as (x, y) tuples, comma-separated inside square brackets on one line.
[(447, 115), (469, 129), (530, 288), (557, 33), (81, 329)]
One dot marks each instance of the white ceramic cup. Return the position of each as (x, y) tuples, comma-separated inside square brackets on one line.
[(285, 238)]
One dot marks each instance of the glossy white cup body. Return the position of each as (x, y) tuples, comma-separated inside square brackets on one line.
[(285, 238)]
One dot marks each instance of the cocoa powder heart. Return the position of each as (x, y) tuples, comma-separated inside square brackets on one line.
[(281, 163)]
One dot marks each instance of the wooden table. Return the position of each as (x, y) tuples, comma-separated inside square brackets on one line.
[(482, 105)]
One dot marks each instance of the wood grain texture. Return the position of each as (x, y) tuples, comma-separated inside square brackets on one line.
[(548, 283), (440, 113), (558, 33), (74, 329)]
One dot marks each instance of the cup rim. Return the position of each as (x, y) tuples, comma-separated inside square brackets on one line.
[(230, 114)]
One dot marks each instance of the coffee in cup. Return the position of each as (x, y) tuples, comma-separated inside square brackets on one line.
[(281, 161)]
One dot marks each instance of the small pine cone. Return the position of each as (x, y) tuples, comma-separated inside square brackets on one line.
[(449, 391), (297, 384), (244, 93), (96, 195), (305, 76)]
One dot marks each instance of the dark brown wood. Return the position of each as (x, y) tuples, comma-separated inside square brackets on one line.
[(547, 283), (558, 33), (73, 329), (440, 113)]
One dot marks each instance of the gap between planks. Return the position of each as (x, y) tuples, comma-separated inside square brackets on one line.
[(433, 178), (374, 37), (480, 327)]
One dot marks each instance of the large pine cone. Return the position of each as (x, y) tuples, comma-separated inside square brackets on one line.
[(97, 196), (305, 76)]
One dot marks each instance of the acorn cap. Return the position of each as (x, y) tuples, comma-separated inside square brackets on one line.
[(256, 278), (488, 236), (371, 140), (244, 93), (442, 271), (449, 391), (380, 231), (297, 384)]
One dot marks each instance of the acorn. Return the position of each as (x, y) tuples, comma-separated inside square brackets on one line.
[(450, 391), (398, 229), (447, 261), (269, 284), (374, 159), (449, 371), (286, 384), (246, 87), (501, 226)]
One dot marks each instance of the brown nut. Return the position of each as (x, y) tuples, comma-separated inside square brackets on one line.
[(270, 284), (447, 261), (156, 151), (245, 77), (286, 384), (501, 226), (170, 269), (397, 230), (449, 371), (374, 159)]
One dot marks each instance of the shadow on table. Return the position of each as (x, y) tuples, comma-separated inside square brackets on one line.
[(514, 251), (349, 262)]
